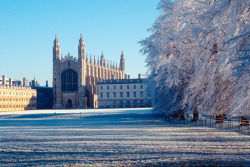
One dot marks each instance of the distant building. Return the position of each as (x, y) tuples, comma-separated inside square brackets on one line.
[(15, 98), (44, 97), (74, 79), (10, 81), (25, 82), (123, 93), (34, 83)]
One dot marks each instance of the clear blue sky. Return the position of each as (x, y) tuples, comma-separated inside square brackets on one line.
[(28, 29)]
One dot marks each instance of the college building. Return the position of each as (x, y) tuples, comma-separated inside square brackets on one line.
[(74, 79), (123, 93), (15, 97)]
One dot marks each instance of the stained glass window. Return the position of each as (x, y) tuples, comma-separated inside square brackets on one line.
[(69, 81)]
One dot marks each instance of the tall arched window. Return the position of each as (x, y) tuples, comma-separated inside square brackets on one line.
[(69, 81)]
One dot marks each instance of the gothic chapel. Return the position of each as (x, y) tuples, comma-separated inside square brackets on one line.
[(74, 80)]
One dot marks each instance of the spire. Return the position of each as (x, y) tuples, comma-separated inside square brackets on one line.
[(108, 64), (102, 55), (122, 62), (90, 58), (102, 63), (98, 61), (56, 49), (122, 55), (116, 66), (94, 60), (87, 57), (56, 38), (56, 41), (81, 49), (81, 40)]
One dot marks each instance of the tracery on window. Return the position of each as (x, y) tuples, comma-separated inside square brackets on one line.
[(69, 81)]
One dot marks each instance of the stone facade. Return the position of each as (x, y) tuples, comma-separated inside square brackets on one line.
[(74, 80), (123, 93), (16, 98)]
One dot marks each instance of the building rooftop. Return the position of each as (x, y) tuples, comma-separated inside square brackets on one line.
[(121, 81), (44, 87)]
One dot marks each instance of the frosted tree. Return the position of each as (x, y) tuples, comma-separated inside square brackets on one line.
[(198, 57)]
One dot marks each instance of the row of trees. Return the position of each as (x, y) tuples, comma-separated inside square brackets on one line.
[(198, 57)]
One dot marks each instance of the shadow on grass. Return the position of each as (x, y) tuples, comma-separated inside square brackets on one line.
[(107, 158)]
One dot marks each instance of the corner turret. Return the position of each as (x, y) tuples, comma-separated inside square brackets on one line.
[(81, 49), (56, 49)]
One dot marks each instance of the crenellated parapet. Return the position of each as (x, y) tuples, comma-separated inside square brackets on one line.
[(15, 87)]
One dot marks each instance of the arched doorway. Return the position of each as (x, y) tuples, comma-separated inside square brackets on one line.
[(69, 104)]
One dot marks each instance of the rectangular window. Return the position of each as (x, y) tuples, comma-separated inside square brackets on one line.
[(107, 94), (114, 94), (121, 87), (107, 87), (134, 86), (134, 94), (141, 86), (114, 87), (127, 86), (121, 94), (101, 88), (101, 95), (141, 92), (127, 94)]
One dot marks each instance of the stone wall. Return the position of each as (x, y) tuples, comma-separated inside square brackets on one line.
[(15, 98)]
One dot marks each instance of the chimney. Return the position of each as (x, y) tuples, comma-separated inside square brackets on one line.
[(139, 76), (25, 82), (4, 80), (128, 76), (10, 82), (47, 84)]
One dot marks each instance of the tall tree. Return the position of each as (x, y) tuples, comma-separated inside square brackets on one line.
[(198, 57)]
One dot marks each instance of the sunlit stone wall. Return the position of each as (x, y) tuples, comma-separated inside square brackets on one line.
[(15, 98)]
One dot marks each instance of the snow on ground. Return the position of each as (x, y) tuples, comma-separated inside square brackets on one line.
[(114, 137)]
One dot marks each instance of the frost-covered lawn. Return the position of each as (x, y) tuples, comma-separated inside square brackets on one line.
[(113, 137)]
